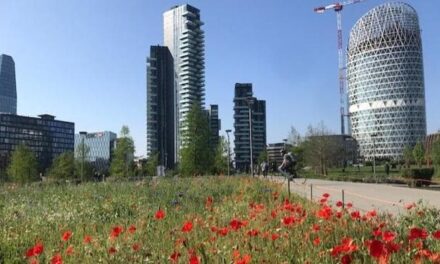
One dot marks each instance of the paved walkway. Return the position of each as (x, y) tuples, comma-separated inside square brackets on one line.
[(390, 198)]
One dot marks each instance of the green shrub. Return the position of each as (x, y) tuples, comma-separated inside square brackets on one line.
[(418, 176)]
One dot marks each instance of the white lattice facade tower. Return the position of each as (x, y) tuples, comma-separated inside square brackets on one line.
[(385, 81)]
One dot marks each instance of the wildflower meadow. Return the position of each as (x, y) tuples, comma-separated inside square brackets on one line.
[(203, 220)]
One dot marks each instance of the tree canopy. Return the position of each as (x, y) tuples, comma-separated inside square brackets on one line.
[(23, 167), (122, 163), (196, 153)]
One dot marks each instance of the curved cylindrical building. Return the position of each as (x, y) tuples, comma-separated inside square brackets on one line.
[(385, 81)]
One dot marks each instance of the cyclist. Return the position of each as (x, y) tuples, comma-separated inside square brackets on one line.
[(287, 168)]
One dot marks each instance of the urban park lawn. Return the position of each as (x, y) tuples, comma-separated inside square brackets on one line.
[(202, 220)]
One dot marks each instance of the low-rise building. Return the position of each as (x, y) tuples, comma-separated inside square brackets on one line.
[(45, 136), (100, 145)]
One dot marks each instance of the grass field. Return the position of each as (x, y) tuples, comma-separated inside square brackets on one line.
[(201, 220)]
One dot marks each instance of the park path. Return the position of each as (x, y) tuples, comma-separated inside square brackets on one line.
[(389, 198)]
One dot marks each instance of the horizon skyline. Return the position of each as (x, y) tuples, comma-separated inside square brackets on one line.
[(327, 102)]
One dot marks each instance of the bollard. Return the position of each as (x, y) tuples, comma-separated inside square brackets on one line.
[(311, 192), (288, 186), (343, 199)]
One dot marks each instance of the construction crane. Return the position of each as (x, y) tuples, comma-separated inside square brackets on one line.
[(337, 7)]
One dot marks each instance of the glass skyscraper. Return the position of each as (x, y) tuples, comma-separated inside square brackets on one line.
[(8, 89), (185, 39), (243, 100), (385, 81), (161, 106)]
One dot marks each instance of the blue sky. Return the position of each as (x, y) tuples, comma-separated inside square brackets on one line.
[(84, 61)]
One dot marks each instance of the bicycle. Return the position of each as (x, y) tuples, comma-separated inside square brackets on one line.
[(291, 175)]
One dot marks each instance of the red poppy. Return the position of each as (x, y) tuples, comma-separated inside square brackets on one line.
[(159, 214), (87, 239), (376, 249), (436, 234), (187, 227), (236, 224), (339, 203), (371, 214), (223, 231), (416, 232), (244, 260), (275, 236), (388, 236), (66, 235), (323, 200), (132, 229), (116, 231), (193, 259), (346, 259), (377, 232), (349, 205), (112, 250), (288, 220), (316, 241), (36, 250), (316, 227), (326, 195), (325, 213), (70, 251), (57, 259), (273, 214), (253, 232), (355, 215), (136, 246), (175, 257)]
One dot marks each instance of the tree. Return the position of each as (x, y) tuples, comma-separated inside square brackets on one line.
[(407, 156), (418, 153), (262, 156), (196, 153), (319, 148), (63, 166), (122, 163), (435, 155), (294, 138), (220, 163), (24, 166), (152, 163), (82, 155)]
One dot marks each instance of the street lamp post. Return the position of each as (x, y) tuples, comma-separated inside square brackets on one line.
[(250, 102), (373, 136), (229, 152)]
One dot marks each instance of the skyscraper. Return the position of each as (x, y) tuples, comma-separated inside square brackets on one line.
[(161, 106), (8, 89), (243, 100), (214, 124), (185, 39), (385, 81)]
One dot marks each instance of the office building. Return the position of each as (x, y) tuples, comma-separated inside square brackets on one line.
[(214, 124), (100, 147), (45, 136), (185, 39), (161, 107), (429, 141), (243, 102), (8, 89), (385, 81)]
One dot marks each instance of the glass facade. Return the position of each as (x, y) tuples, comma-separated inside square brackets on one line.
[(46, 136), (185, 39), (243, 98), (161, 106), (8, 89), (101, 145), (385, 81), (214, 124)]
